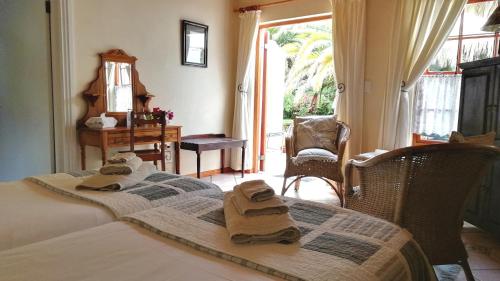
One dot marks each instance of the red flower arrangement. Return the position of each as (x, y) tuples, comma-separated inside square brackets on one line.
[(169, 114)]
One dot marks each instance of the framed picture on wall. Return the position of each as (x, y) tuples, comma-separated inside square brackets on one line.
[(194, 44)]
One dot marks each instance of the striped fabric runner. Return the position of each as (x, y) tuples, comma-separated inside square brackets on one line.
[(157, 189), (336, 244)]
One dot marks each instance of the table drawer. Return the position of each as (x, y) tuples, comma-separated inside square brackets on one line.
[(119, 140), (124, 138), (171, 136)]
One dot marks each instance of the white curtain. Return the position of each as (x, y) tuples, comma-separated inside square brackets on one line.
[(111, 87), (436, 104), (419, 29), (349, 59), (243, 102)]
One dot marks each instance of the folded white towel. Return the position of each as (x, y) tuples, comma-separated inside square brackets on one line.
[(117, 182), (101, 122), (258, 229), (256, 190), (245, 207), (121, 157), (126, 168)]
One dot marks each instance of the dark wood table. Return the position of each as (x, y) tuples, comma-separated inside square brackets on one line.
[(200, 143)]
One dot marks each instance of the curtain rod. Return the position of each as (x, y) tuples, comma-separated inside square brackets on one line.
[(258, 7)]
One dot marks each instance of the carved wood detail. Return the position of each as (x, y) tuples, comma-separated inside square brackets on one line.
[(95, 94)]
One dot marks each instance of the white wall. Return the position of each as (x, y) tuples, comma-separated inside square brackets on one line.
[(379, 18), (297, 8), (202, 99)]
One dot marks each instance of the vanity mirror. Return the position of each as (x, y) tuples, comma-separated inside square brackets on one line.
[(116, 89), (118, 86)]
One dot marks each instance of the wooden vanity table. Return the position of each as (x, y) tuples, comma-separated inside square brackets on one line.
[(120, 137), (117, 89)]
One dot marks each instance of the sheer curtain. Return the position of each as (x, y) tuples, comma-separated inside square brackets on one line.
[(111, 94), (349, 57), (420, 28), (436, 104), (243, 102)]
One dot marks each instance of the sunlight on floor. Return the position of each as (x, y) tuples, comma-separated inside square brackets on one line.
[(310, 188)]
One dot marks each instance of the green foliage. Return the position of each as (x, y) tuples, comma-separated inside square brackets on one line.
[(477, 51), (304, 106), (324, 108), (310, 86), (283, 37), (288, 106), (326, 97), (445, 66)]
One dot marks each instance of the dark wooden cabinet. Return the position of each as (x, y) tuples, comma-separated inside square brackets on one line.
[(479, 114)]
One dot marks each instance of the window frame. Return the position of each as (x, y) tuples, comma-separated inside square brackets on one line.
[(460, 38)]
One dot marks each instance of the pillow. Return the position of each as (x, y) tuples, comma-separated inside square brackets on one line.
[(486, 139), (316, 132)]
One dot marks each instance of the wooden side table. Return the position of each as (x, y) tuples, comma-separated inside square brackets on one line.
[(200, 143)]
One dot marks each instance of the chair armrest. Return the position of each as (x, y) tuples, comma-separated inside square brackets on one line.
[(289, 147), (343, 137), (348, 178), (349, 168)]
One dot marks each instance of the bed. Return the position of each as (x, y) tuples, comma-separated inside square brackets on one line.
[(31, 213), (117, 251), (173, 228), (36, 212)]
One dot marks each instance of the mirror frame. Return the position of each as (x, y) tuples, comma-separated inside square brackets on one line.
[(95, 95)]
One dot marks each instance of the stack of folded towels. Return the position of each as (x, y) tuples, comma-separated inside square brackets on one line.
[(122, 171), (255, 215)]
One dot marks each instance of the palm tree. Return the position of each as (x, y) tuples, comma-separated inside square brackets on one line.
[(310, 59)]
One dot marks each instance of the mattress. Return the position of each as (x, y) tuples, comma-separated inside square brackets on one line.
[(31, 213), (117, 251)]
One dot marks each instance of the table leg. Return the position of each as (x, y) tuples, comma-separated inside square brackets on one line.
[(104, 157), (242, 162), (222, 159), (155, 162), (82, 156), (177, 149), (104, 148), (198, 163)]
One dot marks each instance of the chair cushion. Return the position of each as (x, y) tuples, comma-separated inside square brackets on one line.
[(316, 132), (367, 155), (486, 139), (314, 154)]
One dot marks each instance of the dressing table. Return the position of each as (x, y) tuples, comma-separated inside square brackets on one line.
[(116, 90)]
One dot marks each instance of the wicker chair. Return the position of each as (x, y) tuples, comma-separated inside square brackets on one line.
[(423, 189), (325, 170)]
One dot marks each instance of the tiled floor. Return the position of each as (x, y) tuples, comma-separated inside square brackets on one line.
[(483, 249)]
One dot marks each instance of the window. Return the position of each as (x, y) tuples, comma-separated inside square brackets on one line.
[(436, 98)]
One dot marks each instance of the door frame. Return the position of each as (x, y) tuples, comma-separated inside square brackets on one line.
[(62, 49), (259, 124)]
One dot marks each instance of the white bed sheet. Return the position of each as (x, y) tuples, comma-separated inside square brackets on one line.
[(118, 251), (30, 213)]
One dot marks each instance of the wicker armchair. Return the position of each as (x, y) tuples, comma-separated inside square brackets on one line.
[(423, 189), (330, 170)]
